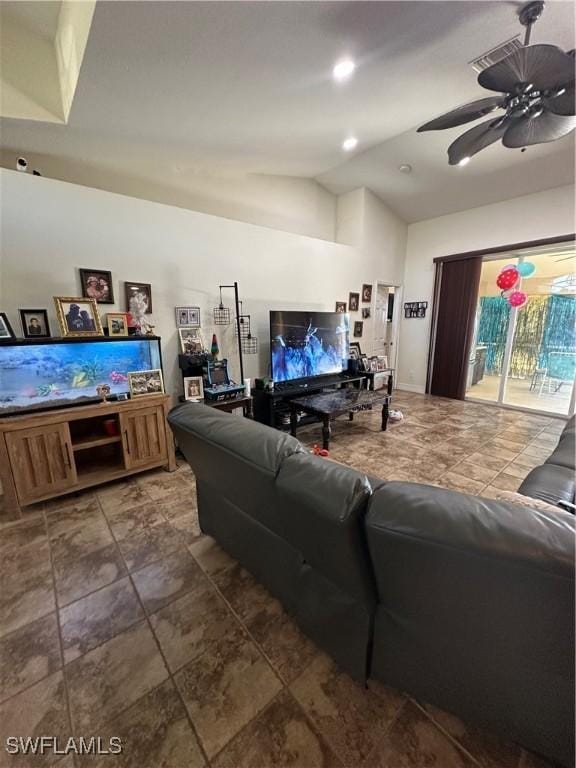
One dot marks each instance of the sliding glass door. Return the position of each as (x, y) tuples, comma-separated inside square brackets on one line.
[(526, 357)]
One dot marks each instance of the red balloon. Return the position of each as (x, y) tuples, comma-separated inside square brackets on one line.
[(507, 278), (517, 299)]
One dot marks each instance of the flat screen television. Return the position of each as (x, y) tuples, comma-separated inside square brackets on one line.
[(306, 344), (36, 375)]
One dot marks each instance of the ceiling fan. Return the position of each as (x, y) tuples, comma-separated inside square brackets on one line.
[(535, 86)]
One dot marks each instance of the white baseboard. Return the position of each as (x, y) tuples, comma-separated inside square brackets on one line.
[(419, 388)]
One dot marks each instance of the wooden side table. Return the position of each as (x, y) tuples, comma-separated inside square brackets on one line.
[(231, 405)]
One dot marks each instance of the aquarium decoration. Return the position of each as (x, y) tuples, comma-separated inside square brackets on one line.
[(69, 372)]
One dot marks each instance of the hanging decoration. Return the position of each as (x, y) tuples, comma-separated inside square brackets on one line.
[(517, 299), (526, 268), (221, 313), (508, 278)]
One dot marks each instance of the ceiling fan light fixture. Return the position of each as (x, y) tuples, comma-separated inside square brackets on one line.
[(464, 161), (349, 144), (343, 70)]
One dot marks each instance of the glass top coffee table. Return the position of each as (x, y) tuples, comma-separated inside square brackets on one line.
[(329, 405)]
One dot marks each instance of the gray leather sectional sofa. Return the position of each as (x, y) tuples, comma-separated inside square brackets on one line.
[(464, 602)]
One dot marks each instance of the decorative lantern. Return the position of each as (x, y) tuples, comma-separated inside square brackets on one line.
[(221, 313)]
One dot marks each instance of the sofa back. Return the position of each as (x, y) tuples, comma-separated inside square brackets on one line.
[(476, 609), (294, 520)]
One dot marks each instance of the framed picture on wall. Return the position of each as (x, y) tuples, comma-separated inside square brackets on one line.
[(365, 313), (6, 331), (97, 284), (78, 316), (353, 302), (341, 306), (34, 323), (188, 317), (143, 290), (358, 328), (366, 293)]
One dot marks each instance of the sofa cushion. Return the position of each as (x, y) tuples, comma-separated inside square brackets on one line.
[(564, 453)]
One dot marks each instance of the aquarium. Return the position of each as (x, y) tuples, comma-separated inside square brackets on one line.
[(36, 375)]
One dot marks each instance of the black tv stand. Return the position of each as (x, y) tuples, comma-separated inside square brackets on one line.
[(272, 408)]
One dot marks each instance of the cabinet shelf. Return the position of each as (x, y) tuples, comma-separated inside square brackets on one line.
[(93, 441)]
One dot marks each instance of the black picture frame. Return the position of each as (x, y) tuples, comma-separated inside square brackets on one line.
[(28, 332), (365, 313), (6, 331), (353, 302), (355, 347), (366, 293), (358, 329), (92, 290), (130, 288), (340, 307)]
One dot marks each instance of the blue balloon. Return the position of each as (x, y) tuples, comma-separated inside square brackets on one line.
[(526, 268)]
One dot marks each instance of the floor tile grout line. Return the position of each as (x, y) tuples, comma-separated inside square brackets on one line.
[(60, 640), (165, 662), (446, 733)]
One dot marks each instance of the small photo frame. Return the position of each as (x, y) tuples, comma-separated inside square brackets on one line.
[(353, 302), (190, 341), (341, 307), (143, 289), (188, 317), (355, 351), (34, 323), (374, 364), (358, 329), (193, 388), (117, 323), (6, 331), (365, 313), (97, 284), (365, 363), (142, 383), (382, 362), (78, 316), (366, 293)]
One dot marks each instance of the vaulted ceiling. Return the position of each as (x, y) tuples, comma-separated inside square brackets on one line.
[(170, 89)]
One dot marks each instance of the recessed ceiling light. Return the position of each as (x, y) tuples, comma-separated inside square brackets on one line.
[(349, 144), (405, 168), (343, 69), (464, 161)]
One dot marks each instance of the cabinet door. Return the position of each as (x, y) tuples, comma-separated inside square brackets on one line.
[(41, 460), (143, 437)]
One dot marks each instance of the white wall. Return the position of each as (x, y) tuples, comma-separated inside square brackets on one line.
[(281, 202), (541, 215), (51, 228)]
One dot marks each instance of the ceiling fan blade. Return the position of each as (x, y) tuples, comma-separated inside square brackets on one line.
[(544, 66), (464, 114), (538, 130), (564, 104), (475, 139)]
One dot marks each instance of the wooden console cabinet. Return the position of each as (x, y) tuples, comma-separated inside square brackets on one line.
[(48, 454)]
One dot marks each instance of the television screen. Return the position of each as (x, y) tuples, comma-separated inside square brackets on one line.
[(304, 344), (35, 376)]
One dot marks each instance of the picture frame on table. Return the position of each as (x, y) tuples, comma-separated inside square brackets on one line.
[(193, 389), (143, 289), (97, 284), (190, 341), (188, 317), (78, 316), (341, 307), (117, 323), (144, 383), (355, 351), (365, 363), (366, 293), (34, 323), (358, 329), (382, 362), (353, 302), (6, 331)]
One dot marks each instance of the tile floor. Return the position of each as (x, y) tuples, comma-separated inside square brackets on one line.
[(117, 617)]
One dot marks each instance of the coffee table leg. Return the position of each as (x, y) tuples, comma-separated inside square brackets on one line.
[(351, 416), (326, 432), (385, 415), (293, 421)]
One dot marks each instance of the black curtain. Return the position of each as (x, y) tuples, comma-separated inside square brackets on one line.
[(457, 295)]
